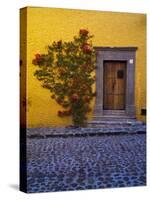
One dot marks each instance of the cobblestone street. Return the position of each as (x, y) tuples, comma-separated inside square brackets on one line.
[(73, 163)]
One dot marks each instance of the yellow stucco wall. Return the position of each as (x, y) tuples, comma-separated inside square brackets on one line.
[(44, 25)]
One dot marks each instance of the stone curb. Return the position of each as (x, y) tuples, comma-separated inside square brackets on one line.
[(81, 132)]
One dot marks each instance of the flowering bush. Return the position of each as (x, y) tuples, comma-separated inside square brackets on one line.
[(66, 70)]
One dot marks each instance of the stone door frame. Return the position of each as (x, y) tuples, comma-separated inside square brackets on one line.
[(127, 54)]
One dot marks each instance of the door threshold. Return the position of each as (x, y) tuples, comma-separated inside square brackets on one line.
[(114, 112)]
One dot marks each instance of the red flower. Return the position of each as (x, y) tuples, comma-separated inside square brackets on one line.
[(37, 59), (74, 97), (63, 113), (60, 113), (83, 32), (86, 49), (70, 110), (59, 101), (84, 44), (59, 43), (37, 56), (66, 112)]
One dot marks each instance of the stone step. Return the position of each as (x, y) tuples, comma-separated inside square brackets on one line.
[(115, 123), (88, 131), (114, 117)]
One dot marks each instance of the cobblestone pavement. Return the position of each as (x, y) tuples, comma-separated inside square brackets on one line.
[(74, 163)]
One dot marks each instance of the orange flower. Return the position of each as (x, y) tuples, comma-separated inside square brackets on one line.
[(87, 99), (84, 32), (37, 56), (62, 71)]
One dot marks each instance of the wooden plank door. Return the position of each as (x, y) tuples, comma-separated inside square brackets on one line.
[(114, 85)]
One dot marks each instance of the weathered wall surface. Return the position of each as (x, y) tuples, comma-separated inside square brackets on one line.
[(44, 25)]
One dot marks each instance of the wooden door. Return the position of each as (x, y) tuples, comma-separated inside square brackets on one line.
[(114, 85)]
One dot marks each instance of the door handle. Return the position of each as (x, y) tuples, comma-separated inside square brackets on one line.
[(113, 85)]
